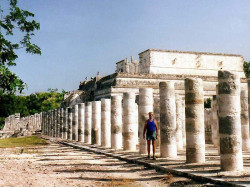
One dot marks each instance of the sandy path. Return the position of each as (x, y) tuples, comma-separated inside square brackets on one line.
[(58, 165)]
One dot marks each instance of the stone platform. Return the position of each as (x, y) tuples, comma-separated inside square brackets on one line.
[(207, 172)]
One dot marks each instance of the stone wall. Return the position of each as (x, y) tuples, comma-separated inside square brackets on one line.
[(17, 126), (188, 63)]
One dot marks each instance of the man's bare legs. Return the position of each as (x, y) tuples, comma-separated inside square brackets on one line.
[(153, 144), (148, 143)]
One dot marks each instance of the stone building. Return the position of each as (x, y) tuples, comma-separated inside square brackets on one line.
[(155, 66)]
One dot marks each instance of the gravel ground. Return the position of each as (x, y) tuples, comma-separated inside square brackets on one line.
[(58, 165)]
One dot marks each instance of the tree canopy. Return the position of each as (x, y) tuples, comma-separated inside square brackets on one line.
[(247, 69), (15, 21), (29, 105)]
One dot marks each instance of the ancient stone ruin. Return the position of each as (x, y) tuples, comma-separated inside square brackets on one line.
[(110, 111), (17, 126)]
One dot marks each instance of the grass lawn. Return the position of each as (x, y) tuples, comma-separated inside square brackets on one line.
[(22, 142)]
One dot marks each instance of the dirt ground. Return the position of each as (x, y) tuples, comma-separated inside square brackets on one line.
[(58, 165)]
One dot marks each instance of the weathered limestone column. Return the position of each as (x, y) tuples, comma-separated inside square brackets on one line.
[(42, 122), (69, 127), (179, 122), (244, 121), (49, 120), (116, 122), (88, 122), (96, 123), (58, 123), (75, 123), (51, 123), (106, 122), (39, 121), (65, 123), (215, 126), (195, 135), (46, 122), (81, 112), (61, 122), (157, 117), (168, 145), (229, 121), (54, 122), (129, 124), (137, 123), (183, 118), (146, 104)]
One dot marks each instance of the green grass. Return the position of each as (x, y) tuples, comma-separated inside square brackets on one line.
[(22, 142)]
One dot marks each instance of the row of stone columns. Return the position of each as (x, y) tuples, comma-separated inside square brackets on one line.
[(30, 123), (113, 122), (244, 120)]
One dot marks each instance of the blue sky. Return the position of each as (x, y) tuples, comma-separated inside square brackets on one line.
[(80, 37)]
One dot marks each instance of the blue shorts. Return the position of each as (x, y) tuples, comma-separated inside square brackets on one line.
[(151, 136)]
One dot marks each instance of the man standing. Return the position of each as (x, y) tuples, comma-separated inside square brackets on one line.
[(151, 130)]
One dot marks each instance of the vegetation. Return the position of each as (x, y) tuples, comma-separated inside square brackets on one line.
[(22, 142), (247, 69), (16, 29), (29, 105)]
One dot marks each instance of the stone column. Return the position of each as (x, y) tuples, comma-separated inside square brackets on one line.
[(215, 126), (106, 123), (116, 122), (48, 121), (137, 124), (244, 121), (54, 122), (183, 118), (45, 122), (96, 123), (195, 135), (39, 121), (61, 122), (58, 123), (81, 112), (179, 122), (129, 124), (157, 117), (168, 145), (69, 127), (75, 123), (65, 124), (146, 104), (42, 122), (229, 121), (88, 122)]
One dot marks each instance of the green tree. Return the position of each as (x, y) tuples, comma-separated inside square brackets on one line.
[(247, 69), (28, 105), (14, 21)]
